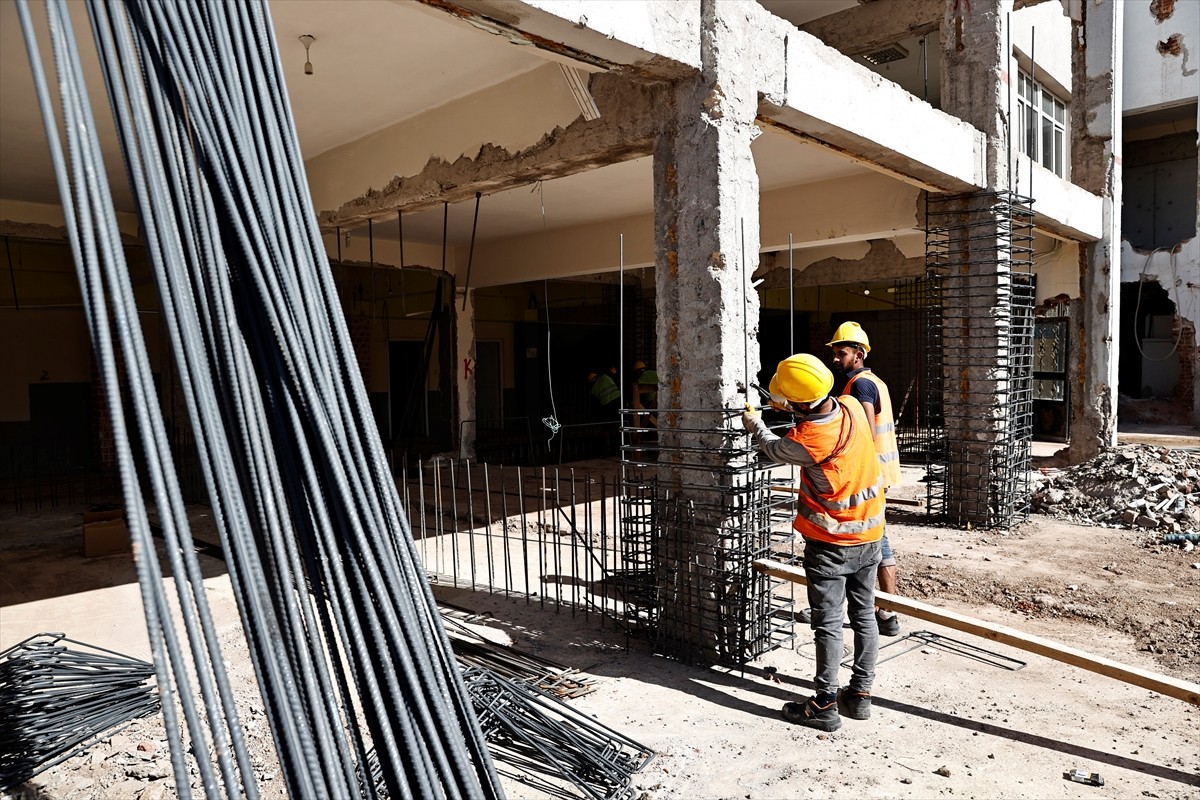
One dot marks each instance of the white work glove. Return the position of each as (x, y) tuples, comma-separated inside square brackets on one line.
[(750, 420)]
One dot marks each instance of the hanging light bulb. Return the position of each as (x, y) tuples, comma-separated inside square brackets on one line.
[(307, 40)]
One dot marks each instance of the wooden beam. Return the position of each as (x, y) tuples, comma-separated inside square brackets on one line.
[(1163, 684)]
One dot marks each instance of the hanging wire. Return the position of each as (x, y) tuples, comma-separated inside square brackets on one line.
[(471, 251), (1138, 306), (551, 421)]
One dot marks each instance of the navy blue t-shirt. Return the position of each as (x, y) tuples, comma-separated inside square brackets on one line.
[(864, 391)]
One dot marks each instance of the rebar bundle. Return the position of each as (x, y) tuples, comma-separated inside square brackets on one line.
[(56, 700), (543, 738), (295, 472)]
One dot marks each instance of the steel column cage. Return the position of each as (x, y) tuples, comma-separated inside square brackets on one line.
[(979, 298), (698, 508)]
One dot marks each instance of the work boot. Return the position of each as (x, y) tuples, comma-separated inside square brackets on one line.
[(853, 703), (811, 715), (888, 626)]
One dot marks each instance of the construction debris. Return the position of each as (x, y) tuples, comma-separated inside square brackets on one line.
[(1136, 487)]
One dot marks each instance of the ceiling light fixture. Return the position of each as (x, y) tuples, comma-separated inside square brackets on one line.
[(886, 55), (307, 40)]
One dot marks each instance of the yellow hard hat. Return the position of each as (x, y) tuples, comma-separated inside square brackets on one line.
[(853, 333), (639, 364), (802, 378)]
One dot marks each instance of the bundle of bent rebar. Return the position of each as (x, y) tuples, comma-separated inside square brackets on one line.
[(56, 699), (296, 475)]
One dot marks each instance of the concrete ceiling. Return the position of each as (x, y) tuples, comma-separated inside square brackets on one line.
[(376, 63), (799, 12)]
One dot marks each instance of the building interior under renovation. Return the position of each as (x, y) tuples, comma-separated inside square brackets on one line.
[(374, 364)]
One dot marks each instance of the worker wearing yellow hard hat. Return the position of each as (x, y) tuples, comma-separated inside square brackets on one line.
[(840, 515), (850, 346)]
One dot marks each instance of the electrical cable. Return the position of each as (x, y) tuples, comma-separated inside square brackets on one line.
[(551, 421), (1138, 306)]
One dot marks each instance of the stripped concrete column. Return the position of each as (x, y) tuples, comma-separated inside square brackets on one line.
[(1095, 165), (706, 193), (977, 280)]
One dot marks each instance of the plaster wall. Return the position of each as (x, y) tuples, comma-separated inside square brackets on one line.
[(1178, 273), (1056, 264), (868, 206), (853, 209), (1162, 57), (512, 115), (23, 213), (1044, 31)]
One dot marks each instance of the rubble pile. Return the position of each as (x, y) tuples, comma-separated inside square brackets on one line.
[(1137, 487)]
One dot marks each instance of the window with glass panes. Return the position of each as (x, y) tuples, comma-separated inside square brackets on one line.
[(1041, 125)]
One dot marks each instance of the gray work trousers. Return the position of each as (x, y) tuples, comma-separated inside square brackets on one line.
[(838, 575)]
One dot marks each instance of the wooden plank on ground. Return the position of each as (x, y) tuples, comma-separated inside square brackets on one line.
[(1163, 684)]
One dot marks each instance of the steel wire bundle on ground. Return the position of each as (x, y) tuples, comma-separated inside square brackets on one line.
[(544, 739), (299, 487), (55, 700)]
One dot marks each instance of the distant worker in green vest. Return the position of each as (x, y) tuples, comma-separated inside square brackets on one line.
[(605, 390), (850, 348), (645, 387)]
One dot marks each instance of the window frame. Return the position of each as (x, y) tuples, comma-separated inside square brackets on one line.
[(1042, 118)]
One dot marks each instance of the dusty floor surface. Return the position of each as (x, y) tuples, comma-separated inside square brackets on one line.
[(947, 722)]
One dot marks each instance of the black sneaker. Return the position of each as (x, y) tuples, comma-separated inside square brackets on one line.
[(889, 626), (810, 715), (854, 704)]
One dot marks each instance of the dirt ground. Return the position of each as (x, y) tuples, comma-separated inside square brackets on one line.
[(954, 716)]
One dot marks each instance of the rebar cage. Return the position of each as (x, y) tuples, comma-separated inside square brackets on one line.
[(698, 508), (980, 293)]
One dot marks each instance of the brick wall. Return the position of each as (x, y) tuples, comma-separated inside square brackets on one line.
[(1188, 355)]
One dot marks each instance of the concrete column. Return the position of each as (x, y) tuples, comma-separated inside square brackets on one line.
[(706, 193), (1096, 166), (977, 283), (464, 347)]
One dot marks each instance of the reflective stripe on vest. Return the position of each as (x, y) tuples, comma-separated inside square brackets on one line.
[(852, 511), (885, 429)]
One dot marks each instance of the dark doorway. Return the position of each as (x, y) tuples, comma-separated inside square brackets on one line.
[(61, 423)]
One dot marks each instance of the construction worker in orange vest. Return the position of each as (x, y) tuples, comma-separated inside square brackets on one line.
[(850, 347), (840, 515)]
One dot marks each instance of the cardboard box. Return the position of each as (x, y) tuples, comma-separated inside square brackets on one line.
[(105, 533)]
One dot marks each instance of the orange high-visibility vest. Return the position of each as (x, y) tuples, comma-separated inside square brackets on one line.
[(884, 432), (852, 511)]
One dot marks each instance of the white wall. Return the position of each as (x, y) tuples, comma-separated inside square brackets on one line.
[(1045, 32), (1154, 80)]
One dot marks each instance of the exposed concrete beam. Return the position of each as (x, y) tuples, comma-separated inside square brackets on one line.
[(836, 102), (657, 39), (873, 25), (625, 130)]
